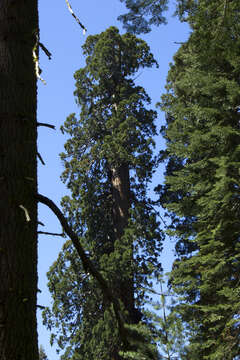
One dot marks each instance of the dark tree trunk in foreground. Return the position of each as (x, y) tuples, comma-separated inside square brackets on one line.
[(18, 180)]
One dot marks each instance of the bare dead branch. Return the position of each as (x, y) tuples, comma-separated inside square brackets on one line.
[(40, 158), (49, 233), (46, 125), (41, 307), (45, 50), (75, 17)]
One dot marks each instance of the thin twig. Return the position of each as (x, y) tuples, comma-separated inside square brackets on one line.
[(40, 158), (155, 292), (41, 223), (49, 233), (138, 76)]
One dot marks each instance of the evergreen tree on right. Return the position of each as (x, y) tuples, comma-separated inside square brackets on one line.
[(202, 187)]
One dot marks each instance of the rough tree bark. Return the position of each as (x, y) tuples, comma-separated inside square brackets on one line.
[(121, 205), (18, 180), (121, 198)]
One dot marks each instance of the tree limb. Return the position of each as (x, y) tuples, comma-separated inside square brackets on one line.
[(87, 264), (46, 125), (40, 158), (49, 233), (75, 17), (41, 307), (45, 50)]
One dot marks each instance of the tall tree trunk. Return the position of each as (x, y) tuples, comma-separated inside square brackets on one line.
[(121, 206), (18, 180), (121, 198)]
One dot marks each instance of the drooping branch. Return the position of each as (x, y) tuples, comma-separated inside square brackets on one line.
[(87, 264)]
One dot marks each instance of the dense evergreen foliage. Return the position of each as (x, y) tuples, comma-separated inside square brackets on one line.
[(202, 177), (108, 163), (143, 14)]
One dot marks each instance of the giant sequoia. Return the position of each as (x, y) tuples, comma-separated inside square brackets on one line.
[(18, 164), (108, 164)]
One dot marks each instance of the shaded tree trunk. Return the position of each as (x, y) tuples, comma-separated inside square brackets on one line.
[(121, 206), (18, 180), (121, 198)]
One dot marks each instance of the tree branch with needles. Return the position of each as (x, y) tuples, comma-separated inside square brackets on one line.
[(88, 265)]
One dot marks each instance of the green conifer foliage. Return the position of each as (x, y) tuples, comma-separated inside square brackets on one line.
[(143, 14), (108, 163), (202, 177), (165, 323)]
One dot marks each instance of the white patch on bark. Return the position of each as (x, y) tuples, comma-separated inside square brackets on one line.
[(26, 213)]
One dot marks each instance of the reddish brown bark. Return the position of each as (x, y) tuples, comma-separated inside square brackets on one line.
[(121, 198), (18, 181), (121, 207)]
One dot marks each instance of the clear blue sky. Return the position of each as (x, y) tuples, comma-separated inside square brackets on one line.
[(63, 37)]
